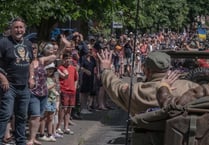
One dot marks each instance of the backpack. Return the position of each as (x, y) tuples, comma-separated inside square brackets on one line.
[(127, 50), (175, 124)]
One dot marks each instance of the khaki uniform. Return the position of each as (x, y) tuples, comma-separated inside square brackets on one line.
[(143, 97), (144, 93)]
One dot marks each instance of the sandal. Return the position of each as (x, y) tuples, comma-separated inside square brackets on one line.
[(9, 139), (68, 131), (37, 142), (109, 107), (103, 109), (29, 143)]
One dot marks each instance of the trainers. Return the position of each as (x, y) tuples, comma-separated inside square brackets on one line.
[(43, 138), (85, 111), (52, 138), (68, 131), (57, 135), (60, 131)]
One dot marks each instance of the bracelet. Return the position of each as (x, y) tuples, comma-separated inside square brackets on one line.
[(165, 85)]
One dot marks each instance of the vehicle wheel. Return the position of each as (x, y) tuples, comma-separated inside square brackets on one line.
[(199, 75)]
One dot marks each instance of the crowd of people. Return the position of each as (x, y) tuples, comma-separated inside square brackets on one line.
[(56, 81)]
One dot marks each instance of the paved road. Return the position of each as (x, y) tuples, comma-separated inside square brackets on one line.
[(110, 131), (99, 128)]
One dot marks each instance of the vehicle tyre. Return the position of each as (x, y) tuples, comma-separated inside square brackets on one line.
[(199, 75)]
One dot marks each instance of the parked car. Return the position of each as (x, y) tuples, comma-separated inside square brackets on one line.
[(53, 35)]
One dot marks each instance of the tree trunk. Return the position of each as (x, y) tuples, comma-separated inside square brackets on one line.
[(45, 28)]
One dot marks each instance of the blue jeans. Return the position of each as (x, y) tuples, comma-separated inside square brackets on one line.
[(16, 101), (50, 106), (37, 105)]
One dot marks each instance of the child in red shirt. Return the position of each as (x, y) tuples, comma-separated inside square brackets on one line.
[(68, 77)]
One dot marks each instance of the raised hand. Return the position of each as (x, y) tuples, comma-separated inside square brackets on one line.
[(105, 58), (170, 78)]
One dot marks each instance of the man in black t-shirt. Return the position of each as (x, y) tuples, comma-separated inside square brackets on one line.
[(15, 59)]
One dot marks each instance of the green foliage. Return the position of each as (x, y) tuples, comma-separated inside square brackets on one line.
[(152, 13), (37, 10)]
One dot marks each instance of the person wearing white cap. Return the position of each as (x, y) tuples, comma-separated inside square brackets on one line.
[(50, 107)]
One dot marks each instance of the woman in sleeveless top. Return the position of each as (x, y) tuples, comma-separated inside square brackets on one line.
[(38, 93)]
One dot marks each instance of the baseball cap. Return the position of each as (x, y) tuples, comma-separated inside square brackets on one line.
[(50, 66)]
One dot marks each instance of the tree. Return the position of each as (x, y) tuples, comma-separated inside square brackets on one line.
[(41, 13), (44, 14), (197, 8)]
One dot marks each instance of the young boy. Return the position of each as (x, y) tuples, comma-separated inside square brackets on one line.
[(68, 77)]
